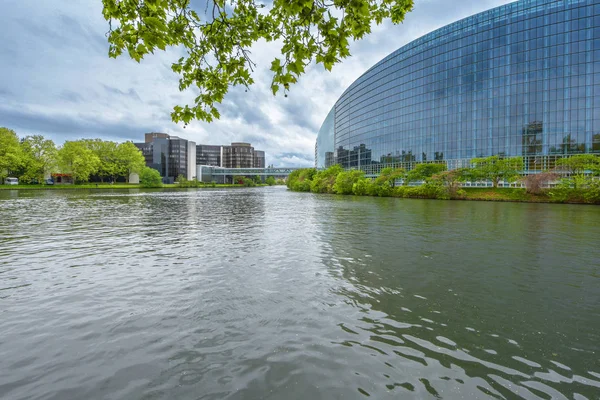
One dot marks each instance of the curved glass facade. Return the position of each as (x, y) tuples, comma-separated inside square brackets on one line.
[(522, 79), (325, 142)]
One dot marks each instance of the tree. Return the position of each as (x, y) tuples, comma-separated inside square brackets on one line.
[(362, 187), (323, 181), (388, 176), (452, 179), (11, 155), (149, 177), (534, 183), (496, 169), (579, 164), (300, 180), (77, 159), (423, 171), (40, 157), (217, 45), (181, 181), (129, 159), (270, 181), (345, 181), (106, 153)]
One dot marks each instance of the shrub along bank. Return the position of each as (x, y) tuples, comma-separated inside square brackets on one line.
[(582, 185)]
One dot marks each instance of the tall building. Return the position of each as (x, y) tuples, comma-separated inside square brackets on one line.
[(522, 79), (171, 156), (208, 155), (237, 155), (259, 159)]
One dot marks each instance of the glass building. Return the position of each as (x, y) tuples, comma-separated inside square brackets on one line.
[(522, 79)]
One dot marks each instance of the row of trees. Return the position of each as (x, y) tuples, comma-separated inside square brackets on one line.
[(33, 157), (575, 176)]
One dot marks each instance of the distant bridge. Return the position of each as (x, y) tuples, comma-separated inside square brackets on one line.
[(207, 173)]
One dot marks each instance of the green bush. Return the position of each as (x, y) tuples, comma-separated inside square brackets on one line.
[(362, 187), (244, 181), (399, 191), (270, 181), (423, 171), (300, 179), (150, 178), (382, 190), (592, 193), (323, 181), (345, 180)]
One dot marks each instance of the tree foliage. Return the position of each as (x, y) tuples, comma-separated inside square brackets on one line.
[(495, 169), (106, 153), (150, 178), (301, 179), (75, 158), (217, 40), (270, 181), (128, 159), (11, 156), (423, 171), (345, 180), (534, 183), (39, 157), (323, 181), (578, 164), (388, 176)]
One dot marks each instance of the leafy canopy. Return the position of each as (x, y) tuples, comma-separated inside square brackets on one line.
[(75, 158), (423, 171), (149, 177), (217, 40), (11, 156), (578, 164), (495, 169), (39, 156), (346, 180)]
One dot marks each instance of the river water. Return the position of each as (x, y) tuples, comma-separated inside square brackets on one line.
[(262, 293)]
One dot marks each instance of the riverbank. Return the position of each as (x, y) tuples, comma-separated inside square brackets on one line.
[(517, 195), (445, 185), (116, 186), (508, 194)]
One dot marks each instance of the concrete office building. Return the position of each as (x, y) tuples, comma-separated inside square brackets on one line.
[(522, 79), (236, 155), (171, 156)]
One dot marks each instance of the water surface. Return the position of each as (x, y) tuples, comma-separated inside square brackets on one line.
[(263, 293)]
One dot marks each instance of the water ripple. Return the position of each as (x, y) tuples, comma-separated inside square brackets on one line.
[(263, 293)]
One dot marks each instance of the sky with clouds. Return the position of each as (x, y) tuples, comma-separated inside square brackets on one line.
[(56, 80)]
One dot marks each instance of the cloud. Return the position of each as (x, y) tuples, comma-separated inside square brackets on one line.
[(58, 81), (61, 126)]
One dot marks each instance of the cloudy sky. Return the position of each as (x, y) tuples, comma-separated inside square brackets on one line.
[(56, 80)]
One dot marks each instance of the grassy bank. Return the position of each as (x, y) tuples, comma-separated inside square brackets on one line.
[(444, 185), (505, 194), (115, 186)]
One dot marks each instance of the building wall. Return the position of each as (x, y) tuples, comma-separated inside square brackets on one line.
[(178, 152), (191, 160), (522, 79), (169, 155), (149, 137), (208, 155), (325, 141), (258, 159), (238, 155)]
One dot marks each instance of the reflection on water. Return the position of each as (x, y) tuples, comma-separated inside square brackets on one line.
[(263, 293)]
